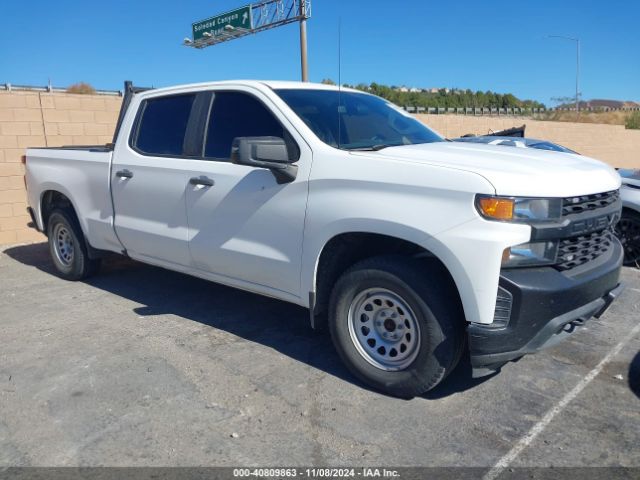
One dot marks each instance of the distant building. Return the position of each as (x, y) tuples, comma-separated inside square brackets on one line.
[(404, 89), (436, 90)]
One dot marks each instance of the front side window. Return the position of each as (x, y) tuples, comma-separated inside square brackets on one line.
[(356, 121), (237, 114), (163, 125)]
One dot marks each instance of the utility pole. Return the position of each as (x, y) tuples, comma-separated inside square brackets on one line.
[(303, 41), (577, 40)]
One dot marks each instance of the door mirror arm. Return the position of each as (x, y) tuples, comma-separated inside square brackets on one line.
[(271, 153)]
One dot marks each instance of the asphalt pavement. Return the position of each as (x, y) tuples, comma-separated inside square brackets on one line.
[(140, 366)]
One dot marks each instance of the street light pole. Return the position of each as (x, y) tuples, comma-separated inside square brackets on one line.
[(303, 40), (577, 77), (577, 40)]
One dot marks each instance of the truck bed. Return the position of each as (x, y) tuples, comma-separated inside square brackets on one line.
[(89, 148), (81, 173)]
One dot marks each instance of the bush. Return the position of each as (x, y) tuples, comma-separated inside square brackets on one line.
[(82, 88), (633, 121)]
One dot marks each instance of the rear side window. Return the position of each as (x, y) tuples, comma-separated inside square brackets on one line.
[(163, 125), (237, 114)]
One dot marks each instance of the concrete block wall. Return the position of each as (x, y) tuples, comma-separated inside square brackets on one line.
[(40, 119), (34, 119)]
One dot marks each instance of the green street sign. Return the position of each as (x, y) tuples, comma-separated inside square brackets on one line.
[(238, 18)]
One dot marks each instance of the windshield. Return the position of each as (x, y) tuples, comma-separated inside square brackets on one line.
[(356, 121), (549, 146)]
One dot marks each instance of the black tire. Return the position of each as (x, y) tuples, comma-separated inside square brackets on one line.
[(628, 231), (71, 263), (438, 315)]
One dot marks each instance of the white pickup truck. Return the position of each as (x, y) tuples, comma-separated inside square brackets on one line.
[(412, 249)]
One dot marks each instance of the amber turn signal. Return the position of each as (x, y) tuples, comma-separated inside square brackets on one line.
[(496, 208)]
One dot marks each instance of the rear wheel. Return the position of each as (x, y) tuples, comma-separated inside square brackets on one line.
[(628, 231), (396, 327), (67, 247)]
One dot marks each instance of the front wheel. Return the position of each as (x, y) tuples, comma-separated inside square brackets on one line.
[(396, 324)]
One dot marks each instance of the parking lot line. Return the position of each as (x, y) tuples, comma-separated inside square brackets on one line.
[(531, 435)]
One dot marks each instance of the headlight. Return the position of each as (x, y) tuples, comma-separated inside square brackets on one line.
[(530, 254), (518, 209)]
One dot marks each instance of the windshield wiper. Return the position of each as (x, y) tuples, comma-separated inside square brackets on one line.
[(380, 146), (372, 148)]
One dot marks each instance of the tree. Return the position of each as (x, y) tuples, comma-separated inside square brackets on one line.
[(454, 98), (81, 88), (633, 121)]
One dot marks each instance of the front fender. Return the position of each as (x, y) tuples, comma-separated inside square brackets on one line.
[(471, 252)]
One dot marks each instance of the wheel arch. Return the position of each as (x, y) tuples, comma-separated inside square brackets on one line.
[(55, 196), (630, 247), (631, 208), (342, 250)]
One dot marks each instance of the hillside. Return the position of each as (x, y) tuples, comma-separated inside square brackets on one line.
[(601, 103), (444, 97), (617, 117)]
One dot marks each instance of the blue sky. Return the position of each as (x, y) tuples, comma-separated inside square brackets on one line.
[(498, 45)]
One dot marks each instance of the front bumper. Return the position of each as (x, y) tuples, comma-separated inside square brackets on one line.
[(547, 306)]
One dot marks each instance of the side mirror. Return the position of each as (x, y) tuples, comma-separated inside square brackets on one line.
[(265, 152)]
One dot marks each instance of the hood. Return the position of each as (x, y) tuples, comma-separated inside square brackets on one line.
[(630, 177), (515, 171)]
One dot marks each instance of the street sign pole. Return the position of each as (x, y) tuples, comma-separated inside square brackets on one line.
[(250, 19), (303, 41)]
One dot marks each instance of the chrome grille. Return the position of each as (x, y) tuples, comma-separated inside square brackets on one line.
[(575, 251), (587, 203)]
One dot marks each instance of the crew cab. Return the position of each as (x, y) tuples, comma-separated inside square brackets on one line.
[(410, 248)]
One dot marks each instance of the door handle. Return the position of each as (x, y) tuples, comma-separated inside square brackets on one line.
[(202, 181), (124, 173)]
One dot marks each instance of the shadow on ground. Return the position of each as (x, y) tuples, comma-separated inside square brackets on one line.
[(281, 326)]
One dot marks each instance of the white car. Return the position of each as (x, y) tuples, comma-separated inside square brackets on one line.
[(404, 243), (520, 142)]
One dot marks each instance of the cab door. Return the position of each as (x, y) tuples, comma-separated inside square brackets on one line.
[(149, 181), (243, 225)]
